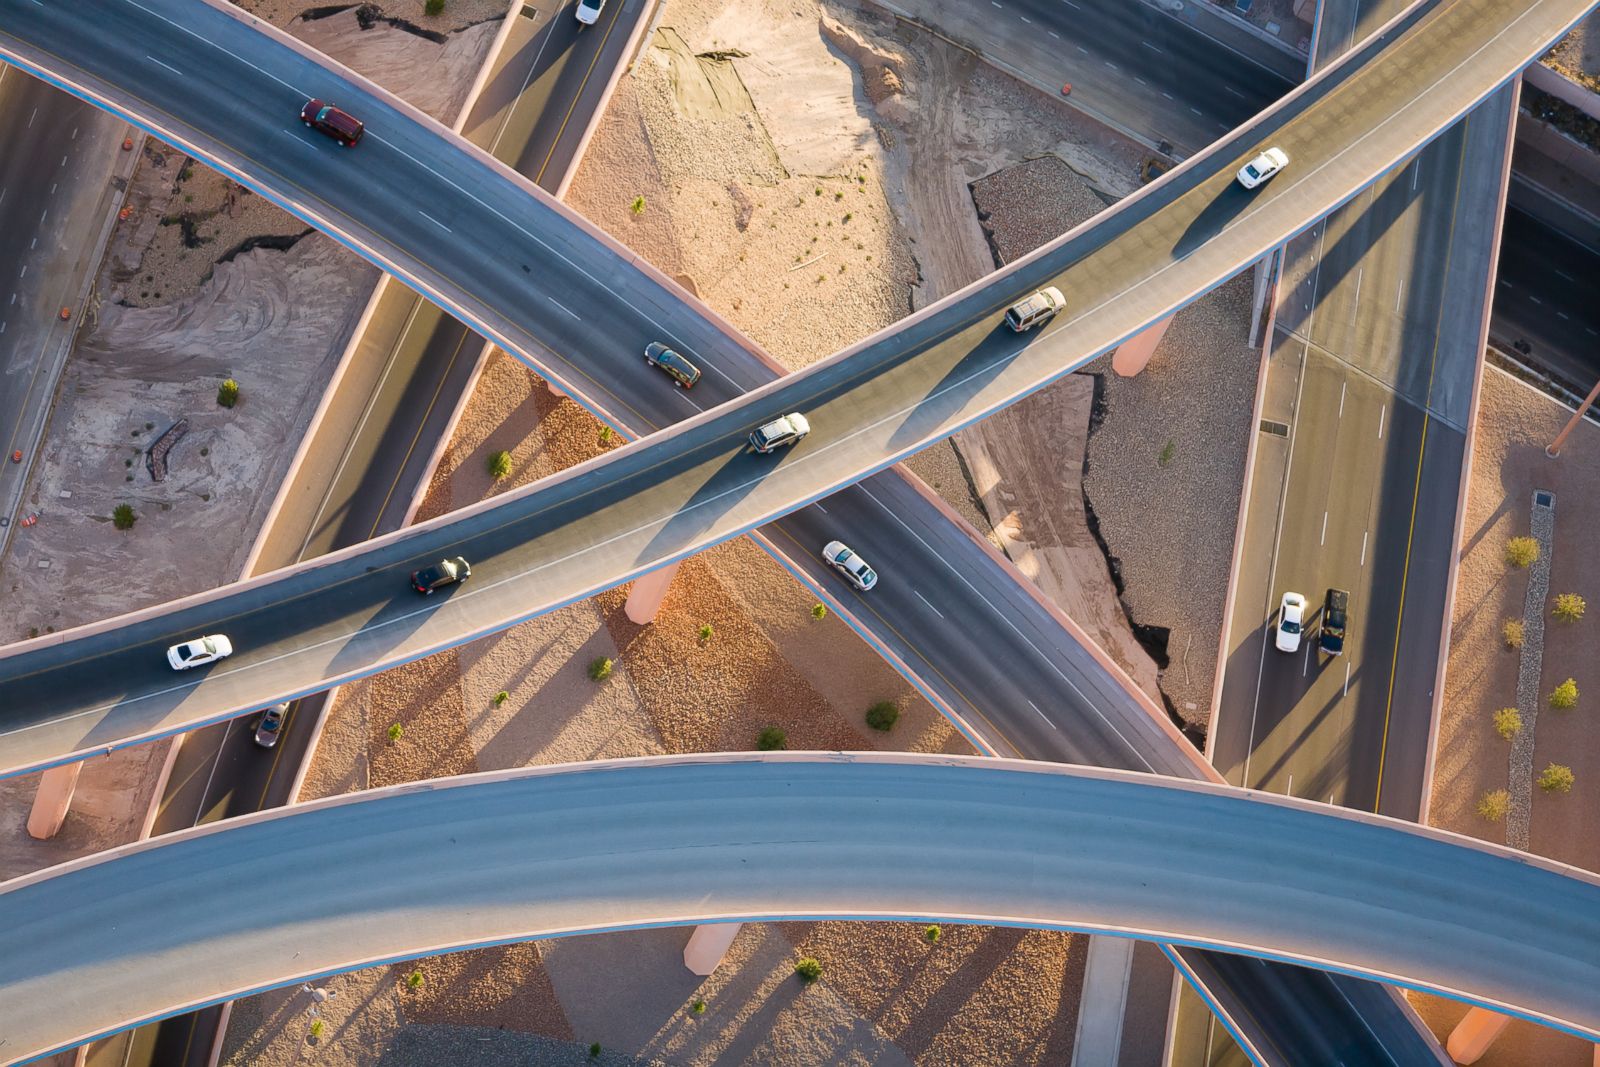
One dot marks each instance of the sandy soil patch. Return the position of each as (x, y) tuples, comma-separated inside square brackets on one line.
[(1514, 424), (1577, 55), (405, 16)]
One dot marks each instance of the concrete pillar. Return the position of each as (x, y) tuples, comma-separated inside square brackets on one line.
[(1132, 355), (53, 800), (707, 945), (1102, 1002), (1474, 1034), (648, 591)]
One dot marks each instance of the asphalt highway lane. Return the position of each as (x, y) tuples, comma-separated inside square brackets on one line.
[(395, 873)]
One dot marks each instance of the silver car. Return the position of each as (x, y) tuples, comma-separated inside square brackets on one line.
[(270, 726), (839, 556)]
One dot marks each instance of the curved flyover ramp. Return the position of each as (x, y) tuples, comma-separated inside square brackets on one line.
[(346, 615), (142, 932)]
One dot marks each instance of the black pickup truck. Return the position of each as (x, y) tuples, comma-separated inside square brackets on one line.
[(1334, 607)]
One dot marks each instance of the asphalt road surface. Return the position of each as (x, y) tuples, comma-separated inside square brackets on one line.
[(395, 873), (55, 195), (1548, 295)]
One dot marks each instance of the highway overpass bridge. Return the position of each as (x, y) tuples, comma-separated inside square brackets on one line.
[(266, 900)]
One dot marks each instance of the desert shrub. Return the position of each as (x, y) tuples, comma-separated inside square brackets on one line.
[(501, 697), (414, 980), (317, 1026), (1522, 551), (1565, 695), (883, 715), (605, 435), (395, 730), (637, 207), (819, 611), (1494, 804), (808, 969), (1556, 779), (499, 464), (1167, 452), (1508, 723), (705, 632), (698, 1007), (600, 669), (1569, 607), (122, 517), (1511, 630), (771, 739), (434, 8), (594, 1050), (228, 393), (931, 935)]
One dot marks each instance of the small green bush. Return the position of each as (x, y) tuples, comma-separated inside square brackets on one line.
[(931, 935), (1522, 551), (228, 393), (605, 435), (434, 8), (1167, 452), (415, 980), (838, 196), (499, 464), (1508, 723), (698, 1007), (771, 739), (594, 1050), (600, 669), (808, 969), (122, 517), (1494, 804), (1556, 779), (1565, 695), (501, 697), (637, 207), (1511, 630), (819, 611), (317, 1026), (395, 730), (883, 715), (705, 632), (1569, 607)]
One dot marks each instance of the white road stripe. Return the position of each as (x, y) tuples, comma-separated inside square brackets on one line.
[(435, 221), (169, 66), (924, 599), (1042, 715), (564, 307)]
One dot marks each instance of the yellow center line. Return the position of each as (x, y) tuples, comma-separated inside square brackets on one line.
[(616, 13), (1416, 489)]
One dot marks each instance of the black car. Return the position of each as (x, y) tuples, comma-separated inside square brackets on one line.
[(445, 572), (671, 364)]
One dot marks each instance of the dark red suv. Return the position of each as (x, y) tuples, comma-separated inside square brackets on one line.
[(340, 125)]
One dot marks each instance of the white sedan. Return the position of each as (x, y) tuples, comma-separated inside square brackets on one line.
[(1263, 167), (199, 652), (588, 11), (855, 570), (1291, 621)]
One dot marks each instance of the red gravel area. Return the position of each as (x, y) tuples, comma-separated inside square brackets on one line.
[(424, 698), (506, 987), (982, 994), (716, 695)]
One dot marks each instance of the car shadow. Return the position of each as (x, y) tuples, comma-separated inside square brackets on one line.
[(1213, 218)]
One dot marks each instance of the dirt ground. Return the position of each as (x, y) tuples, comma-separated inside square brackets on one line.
[(407, 16), (1577, 55), (1514, 424)]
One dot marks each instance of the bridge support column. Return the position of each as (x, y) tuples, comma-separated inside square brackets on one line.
[(1474, 1034), (53, 800), (648, 591), (707, 945), (1132, 355)]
